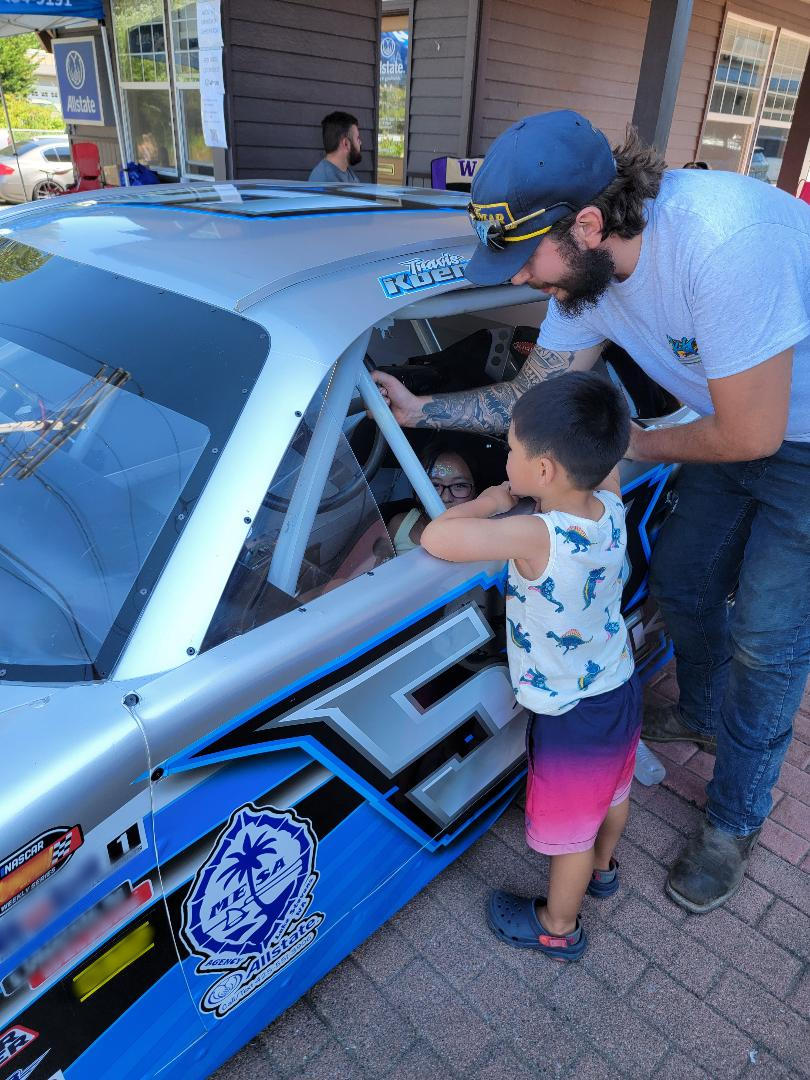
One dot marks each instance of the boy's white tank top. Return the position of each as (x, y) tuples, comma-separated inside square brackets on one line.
[(566, 638)]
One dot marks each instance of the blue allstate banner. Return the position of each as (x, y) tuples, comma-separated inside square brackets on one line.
[(75, 9)]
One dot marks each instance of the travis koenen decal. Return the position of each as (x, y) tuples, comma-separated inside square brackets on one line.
[(35, 861), (424, 274), (246, 911)]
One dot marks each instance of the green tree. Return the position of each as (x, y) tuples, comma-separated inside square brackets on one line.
[(26, 116), (17, 69)]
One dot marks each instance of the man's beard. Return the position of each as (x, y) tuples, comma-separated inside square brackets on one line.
[(355, 156), (591, 271)]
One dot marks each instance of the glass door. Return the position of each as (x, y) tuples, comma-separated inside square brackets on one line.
[(393, 100), (143, 71), (196, 158)]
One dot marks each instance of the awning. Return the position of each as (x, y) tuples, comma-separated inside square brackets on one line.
[(24, 16)]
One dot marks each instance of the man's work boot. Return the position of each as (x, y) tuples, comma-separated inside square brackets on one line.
[(663, 723), (710, 869)]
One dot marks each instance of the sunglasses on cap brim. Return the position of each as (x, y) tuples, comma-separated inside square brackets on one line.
[(493, 234)]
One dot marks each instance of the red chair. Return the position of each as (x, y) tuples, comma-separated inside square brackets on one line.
[(86, 167)]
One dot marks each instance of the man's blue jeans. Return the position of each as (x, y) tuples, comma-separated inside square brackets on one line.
[(741, 666)]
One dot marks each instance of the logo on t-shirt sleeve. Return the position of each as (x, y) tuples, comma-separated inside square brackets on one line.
[(685, 349)]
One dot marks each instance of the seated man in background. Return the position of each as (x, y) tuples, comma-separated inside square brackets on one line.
[(342, 147)]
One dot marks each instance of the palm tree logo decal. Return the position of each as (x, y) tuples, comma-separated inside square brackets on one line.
[(249, 901), (247, 866)]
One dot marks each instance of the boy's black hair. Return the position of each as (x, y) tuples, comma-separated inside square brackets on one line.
[(334, 126), (580, 419)]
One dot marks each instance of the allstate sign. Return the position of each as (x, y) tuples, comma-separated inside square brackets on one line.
[(77, 74)]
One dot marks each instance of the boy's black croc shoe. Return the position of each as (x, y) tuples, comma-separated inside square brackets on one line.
[(514, 920)]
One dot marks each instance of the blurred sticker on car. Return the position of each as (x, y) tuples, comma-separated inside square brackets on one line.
[(36, 861), (13, 1041)]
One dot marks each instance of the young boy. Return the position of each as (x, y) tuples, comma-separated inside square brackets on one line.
[(569, 657)]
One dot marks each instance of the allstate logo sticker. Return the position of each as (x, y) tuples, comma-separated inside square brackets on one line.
[(246, 911), (74, 69)]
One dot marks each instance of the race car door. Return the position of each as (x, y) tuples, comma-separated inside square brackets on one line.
[(361, 732)]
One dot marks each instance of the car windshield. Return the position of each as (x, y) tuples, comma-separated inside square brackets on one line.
[(114, 397)]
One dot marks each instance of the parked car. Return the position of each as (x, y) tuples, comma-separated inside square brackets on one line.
[(45, 164), (239, 733)]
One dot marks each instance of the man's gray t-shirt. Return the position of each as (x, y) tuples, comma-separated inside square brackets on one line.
[(722, 284), (326, 172)]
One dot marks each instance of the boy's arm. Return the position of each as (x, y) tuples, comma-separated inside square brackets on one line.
[(468, 533)]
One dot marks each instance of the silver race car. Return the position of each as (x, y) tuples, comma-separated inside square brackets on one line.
[(238, 731)]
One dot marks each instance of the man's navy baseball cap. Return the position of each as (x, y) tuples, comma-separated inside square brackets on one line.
[(538, 171)]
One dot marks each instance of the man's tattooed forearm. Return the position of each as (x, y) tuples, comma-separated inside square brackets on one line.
[(489, 409), (542, 364), (471, 410)]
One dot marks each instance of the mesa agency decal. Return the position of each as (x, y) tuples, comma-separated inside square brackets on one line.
[(13, 1040), (246, 911), (424, 274), (35, 861)]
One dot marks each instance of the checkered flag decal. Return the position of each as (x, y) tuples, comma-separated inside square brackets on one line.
[(61, 849)]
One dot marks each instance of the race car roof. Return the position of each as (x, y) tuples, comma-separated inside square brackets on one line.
[(222, 242)]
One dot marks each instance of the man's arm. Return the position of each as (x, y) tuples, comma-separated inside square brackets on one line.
[(749, 420), (488, 409)]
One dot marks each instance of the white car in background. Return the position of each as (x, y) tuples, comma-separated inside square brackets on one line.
[(45, 164)]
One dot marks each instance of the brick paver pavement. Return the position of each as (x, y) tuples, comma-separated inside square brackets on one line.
[(433, 994)]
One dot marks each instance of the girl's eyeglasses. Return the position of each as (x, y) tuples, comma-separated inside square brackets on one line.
[(460, 489)]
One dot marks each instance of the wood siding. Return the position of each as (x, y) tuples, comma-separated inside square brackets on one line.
[(289, 63), (537, 55), (439, 55)]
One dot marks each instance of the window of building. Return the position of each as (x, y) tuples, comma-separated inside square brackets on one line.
[(159, 72), (789, 61), (753, 97)]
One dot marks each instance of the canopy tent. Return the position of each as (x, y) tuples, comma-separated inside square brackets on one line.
[(27, 16)]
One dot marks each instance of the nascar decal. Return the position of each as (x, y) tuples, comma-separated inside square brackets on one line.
[(424, 274), (35, 861), (246, 913), (13, 1040)]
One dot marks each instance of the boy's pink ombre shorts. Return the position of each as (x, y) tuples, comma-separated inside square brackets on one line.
[(580, 764)]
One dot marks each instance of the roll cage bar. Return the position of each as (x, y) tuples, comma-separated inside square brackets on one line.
[(350, 371)]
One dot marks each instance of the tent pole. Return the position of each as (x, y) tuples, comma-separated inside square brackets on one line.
[(13, 142), (114, 97)]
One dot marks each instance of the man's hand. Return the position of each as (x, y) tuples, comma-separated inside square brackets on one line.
[(406, 407)]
